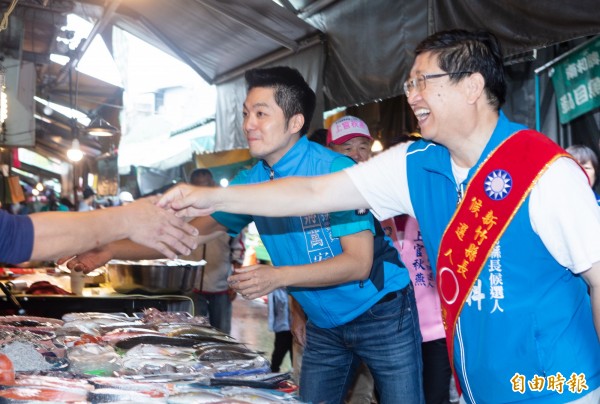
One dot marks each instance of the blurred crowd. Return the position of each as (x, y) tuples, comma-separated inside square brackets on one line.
[(51, 200)]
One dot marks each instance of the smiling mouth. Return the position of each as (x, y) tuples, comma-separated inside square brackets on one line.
[(421, 114)]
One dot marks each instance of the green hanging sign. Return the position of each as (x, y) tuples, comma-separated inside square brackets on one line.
[(576, 81)]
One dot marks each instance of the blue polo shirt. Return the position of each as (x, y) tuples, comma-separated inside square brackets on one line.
[(313, 238)]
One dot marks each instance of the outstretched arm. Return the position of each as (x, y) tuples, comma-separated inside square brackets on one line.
[(127, 249), (292, 196), (57, 234)]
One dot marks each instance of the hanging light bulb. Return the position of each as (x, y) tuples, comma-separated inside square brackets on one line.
[(48, 109), (74, 153)]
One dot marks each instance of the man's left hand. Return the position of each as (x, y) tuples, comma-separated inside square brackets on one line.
[(254, 281)]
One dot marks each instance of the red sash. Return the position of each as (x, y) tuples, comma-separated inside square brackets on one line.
[(492, 198)]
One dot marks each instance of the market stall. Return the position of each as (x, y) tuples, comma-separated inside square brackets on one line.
[(102, 345)]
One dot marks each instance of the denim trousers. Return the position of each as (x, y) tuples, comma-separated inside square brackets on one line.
[(386, 338)]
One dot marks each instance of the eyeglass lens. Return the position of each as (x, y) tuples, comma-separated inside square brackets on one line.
[(416, 82)]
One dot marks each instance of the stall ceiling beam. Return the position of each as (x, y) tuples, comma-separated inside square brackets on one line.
[(85, 44), (289, 6), (275, 56), (315, 7)]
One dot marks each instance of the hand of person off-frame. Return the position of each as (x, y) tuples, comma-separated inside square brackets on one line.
[(188, 200), (87, 261), (157, 228)]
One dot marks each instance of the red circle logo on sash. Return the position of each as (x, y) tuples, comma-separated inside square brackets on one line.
[(448, 285)]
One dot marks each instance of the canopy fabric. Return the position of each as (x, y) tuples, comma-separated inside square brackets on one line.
[(214, 37), (369, 43), (369, 48), (519, 25)]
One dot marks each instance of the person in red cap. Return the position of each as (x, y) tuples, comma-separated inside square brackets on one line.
[(350, 136)]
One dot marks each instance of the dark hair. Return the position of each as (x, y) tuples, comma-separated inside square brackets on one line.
[(476, 52), (319, 136), (292, 94), (202, 176), (584, 154), (87, 192), (63, 201)]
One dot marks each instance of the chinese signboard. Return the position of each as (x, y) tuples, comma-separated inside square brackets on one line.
[(576, 81)]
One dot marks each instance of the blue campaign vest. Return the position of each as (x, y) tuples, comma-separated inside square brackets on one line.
[(312, 238), (527, 315)]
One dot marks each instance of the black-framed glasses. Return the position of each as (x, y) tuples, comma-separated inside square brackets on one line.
[(420, 81)]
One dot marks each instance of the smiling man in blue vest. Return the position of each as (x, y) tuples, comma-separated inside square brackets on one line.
[(511, 215)]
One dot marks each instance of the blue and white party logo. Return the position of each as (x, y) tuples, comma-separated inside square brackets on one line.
[(498, 184)]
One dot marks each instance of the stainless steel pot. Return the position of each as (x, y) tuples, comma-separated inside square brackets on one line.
[(154, 277)]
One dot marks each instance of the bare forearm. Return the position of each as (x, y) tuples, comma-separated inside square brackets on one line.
[(291, 196), (57, 234), (335, 271), (354, 263), (136, 249), (128, 250)]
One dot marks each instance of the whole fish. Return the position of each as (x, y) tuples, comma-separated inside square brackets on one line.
[(91, 315), (38, 394), (153, 339), (200, 349), (224, 352), (158, 356), (218, 355), (108, 395), (191, 329), (119, 334)]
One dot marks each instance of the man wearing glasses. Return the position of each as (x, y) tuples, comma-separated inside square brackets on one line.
[(512, 218)]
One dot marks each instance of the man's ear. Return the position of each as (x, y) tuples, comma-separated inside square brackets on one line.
[(475, 86), (296, 123)]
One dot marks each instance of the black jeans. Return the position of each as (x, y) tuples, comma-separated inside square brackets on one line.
[(436, 372), (283, 344)]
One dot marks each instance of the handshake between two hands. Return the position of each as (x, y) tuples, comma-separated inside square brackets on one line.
[(186, 200), (159, 223)]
